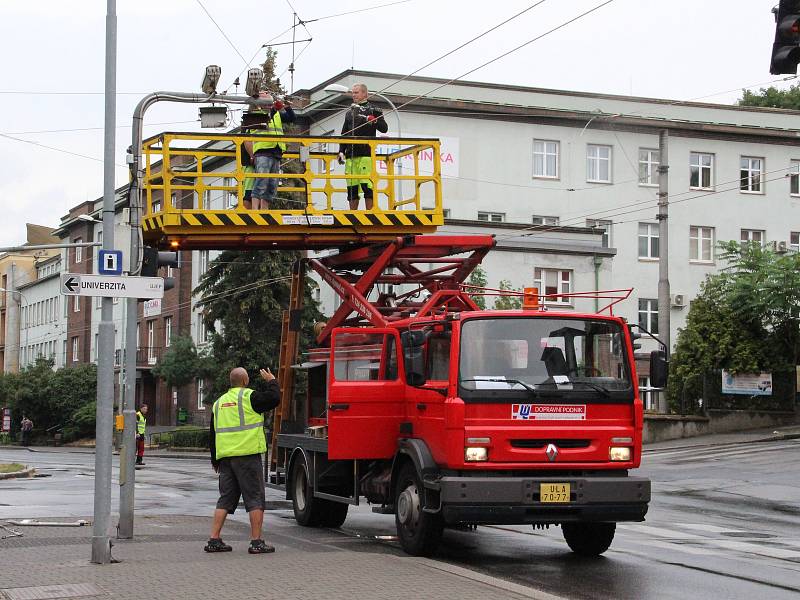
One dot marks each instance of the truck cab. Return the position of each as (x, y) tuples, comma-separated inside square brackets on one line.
[(475, 417)]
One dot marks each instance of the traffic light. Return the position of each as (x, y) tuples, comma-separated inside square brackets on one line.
[(786, 48), (153, 260)]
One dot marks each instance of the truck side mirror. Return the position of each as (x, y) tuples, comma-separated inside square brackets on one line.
[(414, 356), (658, 369)]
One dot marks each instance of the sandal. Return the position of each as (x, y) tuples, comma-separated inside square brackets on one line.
[(260, 547), (217, 545)]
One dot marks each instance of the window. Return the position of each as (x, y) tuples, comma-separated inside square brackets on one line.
[(201, 394), (751, 174), (96, 346), (76, 304), (202, 330), (156, 206), (794, 241), (701, 168), (701, 244), (648, 241), (167, 331), (75, 349), (753, 236), (648, 166), (78, 250), (63, 354), (364, 357), (491, 217), (446, 213), (539, 220), (203, 261), (545, 159), (647, 395), (648, 314), (605, 226), (151, 342), (551, 282), (598, 163), (794, 178)]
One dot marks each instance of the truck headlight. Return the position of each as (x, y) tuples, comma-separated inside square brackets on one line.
[(476, 454), (619, 453)]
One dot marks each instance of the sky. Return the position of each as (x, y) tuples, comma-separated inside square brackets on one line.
[(51, 89)]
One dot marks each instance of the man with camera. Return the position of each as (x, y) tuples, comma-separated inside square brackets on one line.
[(266, 155), (362, 120)]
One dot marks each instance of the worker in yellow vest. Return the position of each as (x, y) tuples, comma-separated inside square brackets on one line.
[(267, 154), (141, 427), (237, 444)]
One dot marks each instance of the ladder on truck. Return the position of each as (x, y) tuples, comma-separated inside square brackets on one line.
[(193, 190)]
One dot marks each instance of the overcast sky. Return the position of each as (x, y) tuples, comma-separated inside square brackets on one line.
[(53, 65)]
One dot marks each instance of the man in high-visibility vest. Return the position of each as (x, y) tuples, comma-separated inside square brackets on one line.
[(267, 154), (141, 427), (362, 120), (237, 444)]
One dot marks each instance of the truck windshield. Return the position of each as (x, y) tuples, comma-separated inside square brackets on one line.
[(574, 358)]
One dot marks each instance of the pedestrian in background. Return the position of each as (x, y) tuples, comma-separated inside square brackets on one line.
[(141, 428), (237, 444), (26, 426)]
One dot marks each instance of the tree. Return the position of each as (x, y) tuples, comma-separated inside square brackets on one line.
[(478, 279), (509, 301), (772, 97), (746, 319), (182, 363)]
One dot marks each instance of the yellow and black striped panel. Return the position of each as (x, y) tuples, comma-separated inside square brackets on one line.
[(212, 220), (222, 229)]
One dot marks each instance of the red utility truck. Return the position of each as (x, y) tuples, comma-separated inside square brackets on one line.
[(444, 414)]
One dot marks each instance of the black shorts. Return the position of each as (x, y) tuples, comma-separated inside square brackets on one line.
[(241, 476)]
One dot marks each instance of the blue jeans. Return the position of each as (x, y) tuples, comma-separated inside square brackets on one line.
[(266, 188)]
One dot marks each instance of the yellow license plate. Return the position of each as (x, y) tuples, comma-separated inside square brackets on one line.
[(553, 492)]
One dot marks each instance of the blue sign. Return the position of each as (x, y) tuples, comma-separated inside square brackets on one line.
[(109, 262)]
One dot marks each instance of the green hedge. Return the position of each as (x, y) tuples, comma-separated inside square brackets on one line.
[(186, 437)]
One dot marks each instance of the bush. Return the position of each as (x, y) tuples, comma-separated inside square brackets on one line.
[(5, 439), (187, 437)]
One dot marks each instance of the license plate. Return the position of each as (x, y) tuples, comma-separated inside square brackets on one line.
[(552, 493)]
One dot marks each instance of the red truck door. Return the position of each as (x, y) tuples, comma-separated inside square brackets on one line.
[(366, 394)]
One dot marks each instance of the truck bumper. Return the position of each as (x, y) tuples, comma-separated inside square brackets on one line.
[(516, 500)]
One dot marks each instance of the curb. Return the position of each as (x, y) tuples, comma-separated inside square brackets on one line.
[(18, 474)]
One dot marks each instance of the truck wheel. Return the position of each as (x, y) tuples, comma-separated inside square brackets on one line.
[(588, 539), (333, 513), (306, 511), (419, 532)]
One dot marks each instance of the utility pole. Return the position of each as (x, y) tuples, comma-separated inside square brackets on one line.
[(128, 452), (663, 251), (101, 543)]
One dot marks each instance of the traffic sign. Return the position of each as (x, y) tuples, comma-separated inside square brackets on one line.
[(109, 262), (80, 284)]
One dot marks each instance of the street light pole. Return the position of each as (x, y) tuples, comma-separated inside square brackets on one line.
[(101, 542), (128, 455)]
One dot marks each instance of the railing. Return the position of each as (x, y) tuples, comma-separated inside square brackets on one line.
[(406, 173)]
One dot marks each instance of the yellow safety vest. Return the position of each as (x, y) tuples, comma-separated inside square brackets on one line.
[(239, 430), (274, 127), (141, 423)]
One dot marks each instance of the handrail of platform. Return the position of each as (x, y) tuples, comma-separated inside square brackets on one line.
[(171, 164)]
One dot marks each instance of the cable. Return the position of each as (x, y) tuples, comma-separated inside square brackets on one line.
[(504, 54), (93, 128), (227, 39), (467, 43), (360, 10), (16, 139)]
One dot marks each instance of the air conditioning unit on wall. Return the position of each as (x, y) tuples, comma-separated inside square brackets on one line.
[(678, 300)]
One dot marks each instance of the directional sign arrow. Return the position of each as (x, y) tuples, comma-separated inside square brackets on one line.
[(72, 284)]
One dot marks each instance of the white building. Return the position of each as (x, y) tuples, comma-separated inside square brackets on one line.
[(550, 158), (43, 320)]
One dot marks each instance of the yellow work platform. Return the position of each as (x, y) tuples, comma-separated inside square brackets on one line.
[(194, 185)]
